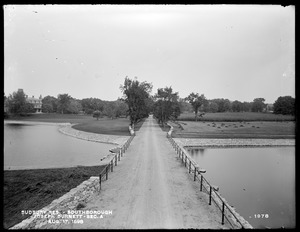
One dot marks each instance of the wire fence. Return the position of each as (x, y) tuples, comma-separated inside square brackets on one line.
[(118, 154), (213, 196)]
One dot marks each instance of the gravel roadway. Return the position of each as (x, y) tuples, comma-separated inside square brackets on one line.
[(150, 189)]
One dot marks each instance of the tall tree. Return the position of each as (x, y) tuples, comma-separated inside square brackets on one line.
[(63, 101), (135, 96), (196, 101), (17, 103), (223, 104), (167, 106), (237, 106), (74, 106), (285, 105), (49, 104), (258, 105), (212, 107)]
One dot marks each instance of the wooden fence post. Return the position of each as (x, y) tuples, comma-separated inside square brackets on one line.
[(201, 183), (100, 177), (106, 170), (210, 189), (223, 212)]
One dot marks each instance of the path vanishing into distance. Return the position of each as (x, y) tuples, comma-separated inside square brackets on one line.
[(150, 188)]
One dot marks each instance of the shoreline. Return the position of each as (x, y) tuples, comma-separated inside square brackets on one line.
[(229, 143), (66, 129), (36, 123), (118, 140)]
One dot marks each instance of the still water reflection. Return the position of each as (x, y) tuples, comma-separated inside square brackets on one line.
[(43, 146), (255, 181)]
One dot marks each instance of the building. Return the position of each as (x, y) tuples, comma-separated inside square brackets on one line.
[(37, 103), (269, 108)]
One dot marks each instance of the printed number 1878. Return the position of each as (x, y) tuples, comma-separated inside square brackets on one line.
[(261, 215)]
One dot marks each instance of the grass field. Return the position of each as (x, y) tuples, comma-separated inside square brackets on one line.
[(228, 130), (236, 116), (36, 188), (236, 125)]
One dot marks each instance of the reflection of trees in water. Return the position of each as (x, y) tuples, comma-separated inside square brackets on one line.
[(196, 151), (16, 126), (201, 150)]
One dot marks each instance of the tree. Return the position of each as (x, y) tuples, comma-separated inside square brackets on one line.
[(89, 105), (74, 106), (17, 103), (63, 102), (223, 104), (121, 108), (110, 109), (212, 107), (258, 105), (135, 96), (247, 106), (237, 106), (28, 108), (185, 106), (49, 104), (97, 114), (196, 101), (284, 105), (166, 106), (47, 108)]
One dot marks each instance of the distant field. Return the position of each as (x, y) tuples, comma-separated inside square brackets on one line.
[(236, 116), (228, 130), (85, 123)]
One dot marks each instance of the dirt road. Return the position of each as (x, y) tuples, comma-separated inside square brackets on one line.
[(150, 189)]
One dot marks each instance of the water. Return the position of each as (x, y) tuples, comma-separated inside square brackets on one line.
[(258, 182), (43, 146)]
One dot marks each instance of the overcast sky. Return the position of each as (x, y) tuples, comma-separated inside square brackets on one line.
[(222, 51)]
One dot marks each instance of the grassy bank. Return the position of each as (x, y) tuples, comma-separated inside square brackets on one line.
[(228, 130), (36, 188), (107, 126), (236, 117), (236, 125), (85, 123)]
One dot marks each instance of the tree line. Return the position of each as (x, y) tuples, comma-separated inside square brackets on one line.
[(16, 104), (166, 104), (137, 103)]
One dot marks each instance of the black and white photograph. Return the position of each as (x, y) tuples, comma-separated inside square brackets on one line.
[(149, 116)]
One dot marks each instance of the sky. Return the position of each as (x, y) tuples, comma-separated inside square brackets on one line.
[(238, 52)]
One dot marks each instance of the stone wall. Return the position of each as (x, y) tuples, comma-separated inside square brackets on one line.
[(100, 138), (190, 142), (72, 200)]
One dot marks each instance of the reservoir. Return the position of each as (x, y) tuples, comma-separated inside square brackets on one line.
[(258, 182), (35, 146)]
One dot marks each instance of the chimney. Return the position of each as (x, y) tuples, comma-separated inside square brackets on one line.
[(41, 96), (32, 96)]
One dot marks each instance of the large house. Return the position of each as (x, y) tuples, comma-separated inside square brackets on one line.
[(37, 103)]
